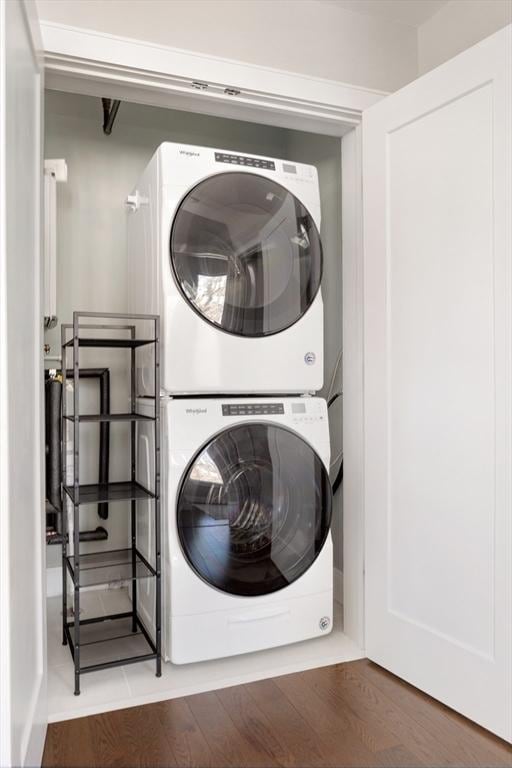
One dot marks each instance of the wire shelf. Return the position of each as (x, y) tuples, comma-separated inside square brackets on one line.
[(95, 493), (113, 567)]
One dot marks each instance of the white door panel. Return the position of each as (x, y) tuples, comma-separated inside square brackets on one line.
[(22, 524), (438, 383)]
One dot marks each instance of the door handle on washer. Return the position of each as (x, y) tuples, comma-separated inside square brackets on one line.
[(264, 614)]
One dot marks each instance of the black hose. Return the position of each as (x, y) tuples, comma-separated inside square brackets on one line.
[(53, 401), (103, 376), (53, 430), (339, 477), (333, 399), (104, 457), (99, 534)]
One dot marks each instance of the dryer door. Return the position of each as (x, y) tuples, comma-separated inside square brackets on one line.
[(254, 509), (246, 254)]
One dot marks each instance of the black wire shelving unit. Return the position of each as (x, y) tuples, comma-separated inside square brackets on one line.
[(121, 638)]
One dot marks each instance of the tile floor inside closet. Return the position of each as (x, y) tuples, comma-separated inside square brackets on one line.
[(136, 684)]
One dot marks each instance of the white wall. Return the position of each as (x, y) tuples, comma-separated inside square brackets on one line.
[(307, 36), (458, 25), (91, 251)]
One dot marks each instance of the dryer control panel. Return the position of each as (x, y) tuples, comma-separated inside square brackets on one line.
[(252, 162)]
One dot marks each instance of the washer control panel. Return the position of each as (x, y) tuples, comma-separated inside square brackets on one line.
[(251, 409), (252, 162)]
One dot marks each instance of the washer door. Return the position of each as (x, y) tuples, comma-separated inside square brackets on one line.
[(254, 509), (246, 254)]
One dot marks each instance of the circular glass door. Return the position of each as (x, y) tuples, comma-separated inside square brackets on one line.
[(254, 509), (246, 254)]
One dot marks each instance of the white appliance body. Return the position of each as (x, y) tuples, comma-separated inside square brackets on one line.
[(200, 621), (199, 357)]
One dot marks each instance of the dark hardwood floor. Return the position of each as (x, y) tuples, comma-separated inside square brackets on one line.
[(342, 716)]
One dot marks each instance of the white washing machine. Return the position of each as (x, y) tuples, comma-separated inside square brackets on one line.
[(225, 247), (247, 557)]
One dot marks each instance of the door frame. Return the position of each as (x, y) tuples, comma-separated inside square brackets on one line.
[(97, 64), (29, 736)]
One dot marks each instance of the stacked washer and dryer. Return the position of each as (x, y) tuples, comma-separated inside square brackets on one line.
[(225, 247)]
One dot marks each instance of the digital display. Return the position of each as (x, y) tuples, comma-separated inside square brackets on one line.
[(298, 407), (287, 168)]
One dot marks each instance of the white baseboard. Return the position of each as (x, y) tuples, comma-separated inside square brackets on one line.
[(338, 585)]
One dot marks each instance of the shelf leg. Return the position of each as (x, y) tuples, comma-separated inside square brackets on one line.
[(134, 474), (159, 656), (64, 570), (134, 571), (64, 579), (63, 478), (158, 590), (76, 506), (76, 626)]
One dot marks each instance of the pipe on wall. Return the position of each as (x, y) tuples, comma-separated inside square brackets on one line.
[(53, 432), (103, 376), (99, 534)]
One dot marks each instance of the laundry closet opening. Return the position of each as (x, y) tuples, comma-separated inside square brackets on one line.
[(92, 275)]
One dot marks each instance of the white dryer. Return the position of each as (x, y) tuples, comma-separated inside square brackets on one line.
[(247, 556), (225, 247)]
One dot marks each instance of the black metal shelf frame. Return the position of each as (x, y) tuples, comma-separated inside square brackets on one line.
[(111, 641), (121, 343), (123, 637), (112, 567), (93, 417), (95, 493)]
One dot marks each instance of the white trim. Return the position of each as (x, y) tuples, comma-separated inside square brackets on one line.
[(5, 652), (86, 61), (63, 42), (29, 736), (35, 734), (353, 391)]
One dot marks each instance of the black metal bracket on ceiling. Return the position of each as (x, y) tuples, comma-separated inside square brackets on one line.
[(110, 110)]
